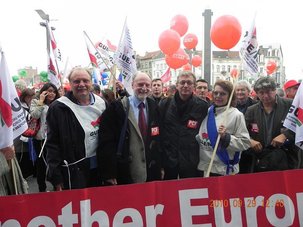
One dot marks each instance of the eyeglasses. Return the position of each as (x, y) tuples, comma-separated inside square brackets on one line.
[(218, 93), (188, 82)]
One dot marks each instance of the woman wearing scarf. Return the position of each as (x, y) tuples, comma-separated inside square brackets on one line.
[(230, 124)]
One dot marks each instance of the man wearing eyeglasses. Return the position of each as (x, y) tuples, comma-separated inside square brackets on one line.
[(73, 123), (182, 115), (272, 145)]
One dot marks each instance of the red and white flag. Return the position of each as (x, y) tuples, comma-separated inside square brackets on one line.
[(249, 50), (94, 55), (294, 118), (166, 76), (53, 70), (125, 59), (12, 117)]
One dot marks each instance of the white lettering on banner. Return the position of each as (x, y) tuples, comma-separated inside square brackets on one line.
[(187, 211), (68, 218)]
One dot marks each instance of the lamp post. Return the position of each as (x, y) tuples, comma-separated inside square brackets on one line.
[(45, 17)]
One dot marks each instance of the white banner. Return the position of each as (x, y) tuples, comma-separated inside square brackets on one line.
[(12, 117)]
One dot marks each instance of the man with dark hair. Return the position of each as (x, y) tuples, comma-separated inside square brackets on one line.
[(269, 139), (201, 90), (157, 89), (182, 115)]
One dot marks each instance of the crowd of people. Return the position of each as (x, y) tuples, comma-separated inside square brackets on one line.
[(90, 137)]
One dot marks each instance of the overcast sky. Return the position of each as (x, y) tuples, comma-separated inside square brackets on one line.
[(24, 40)]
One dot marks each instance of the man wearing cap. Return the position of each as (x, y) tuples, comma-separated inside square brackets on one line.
[(264, 121), (291, 88)]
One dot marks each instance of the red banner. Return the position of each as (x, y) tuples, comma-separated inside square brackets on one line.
[(264, 199)]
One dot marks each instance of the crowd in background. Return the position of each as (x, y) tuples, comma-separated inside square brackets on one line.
[(91, 137)]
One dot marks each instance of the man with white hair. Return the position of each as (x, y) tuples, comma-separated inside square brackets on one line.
[(129, 137), (242, 90)]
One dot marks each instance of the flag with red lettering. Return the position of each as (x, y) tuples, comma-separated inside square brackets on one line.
[(12, 118), (125, 59), (53, 70), (294, 118), (249, 50), (166, 76)]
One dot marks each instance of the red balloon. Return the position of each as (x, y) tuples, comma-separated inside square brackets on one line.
[(271, 67), (186, 67), (179, 23), (190, 41), (234, 73), (196, 60), (226, 32), (169, 41), (177, 59)]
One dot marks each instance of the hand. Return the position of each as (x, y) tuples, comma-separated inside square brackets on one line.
[(119, 85), (222, 131), (9, 152), (43, 96), (112, 181), (58, 187), (278, 141), (256, 145)]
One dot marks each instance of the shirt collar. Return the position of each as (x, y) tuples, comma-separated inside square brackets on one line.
[(137, 101)]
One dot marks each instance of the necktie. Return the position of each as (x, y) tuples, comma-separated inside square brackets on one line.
[(142, 121)]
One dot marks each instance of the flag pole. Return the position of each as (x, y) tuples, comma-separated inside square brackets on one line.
[(219, 136), (12, 164)]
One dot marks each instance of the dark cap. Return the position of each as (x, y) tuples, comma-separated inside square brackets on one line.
[(265, 83)]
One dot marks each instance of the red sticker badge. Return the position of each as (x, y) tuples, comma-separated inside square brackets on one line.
[(192, 124), (155, 131), (254, 127)]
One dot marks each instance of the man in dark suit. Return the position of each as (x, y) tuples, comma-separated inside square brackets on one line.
[(265, 125), (129, 137)]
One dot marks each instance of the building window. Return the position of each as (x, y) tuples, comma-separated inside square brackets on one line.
[(218, 68), (223, 68), (228, 68)]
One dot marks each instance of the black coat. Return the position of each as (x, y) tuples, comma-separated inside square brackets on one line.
[(65, 138), (178, 137)]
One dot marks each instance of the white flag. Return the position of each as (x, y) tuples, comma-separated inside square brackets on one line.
[(125, 59), (249, 50), (12, 117), (53, 70), (294, 118)]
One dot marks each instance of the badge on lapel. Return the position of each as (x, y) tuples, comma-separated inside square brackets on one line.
[(155, 131), (192, 124)]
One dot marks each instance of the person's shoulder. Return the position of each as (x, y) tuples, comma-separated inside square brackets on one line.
[(200, 102)]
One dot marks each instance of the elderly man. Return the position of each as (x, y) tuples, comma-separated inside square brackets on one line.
[(272, 145), (72, 139), (129, 137), (242, 90), (182, 115)]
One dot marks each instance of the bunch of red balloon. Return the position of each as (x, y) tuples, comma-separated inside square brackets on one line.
[(170, 42), (270, 67)]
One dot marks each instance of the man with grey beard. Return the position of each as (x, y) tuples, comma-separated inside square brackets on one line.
[(129, 137)]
